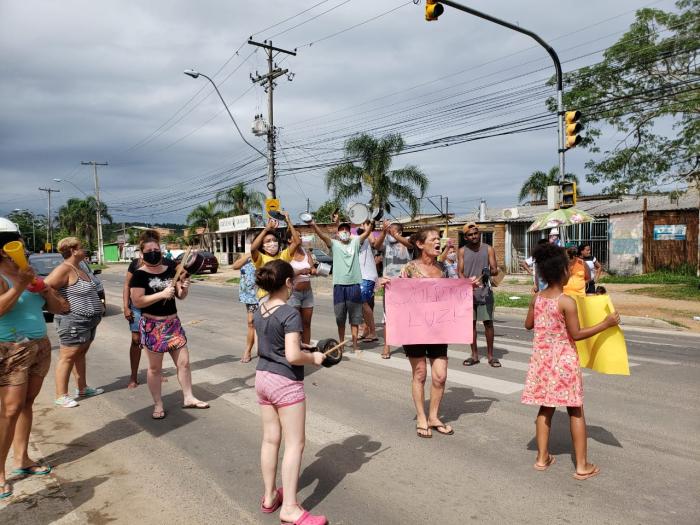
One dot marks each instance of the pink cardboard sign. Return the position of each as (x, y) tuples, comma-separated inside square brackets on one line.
[(428, 311)]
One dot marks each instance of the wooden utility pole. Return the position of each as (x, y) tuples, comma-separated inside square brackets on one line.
[(268, 81)]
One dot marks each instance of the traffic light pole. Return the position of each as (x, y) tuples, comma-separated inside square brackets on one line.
[(557, 66), (269, 82)]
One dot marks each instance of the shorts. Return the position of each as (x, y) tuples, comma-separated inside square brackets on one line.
[(429, 351), (483, 312), (76, 330), (162, 335), (367, 291), (252, 308), (134, 325), (347, 303), (301, 299), (278, 391), (18, 361)]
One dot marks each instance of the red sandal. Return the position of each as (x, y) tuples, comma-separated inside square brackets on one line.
[(307, 518), (275, 504)]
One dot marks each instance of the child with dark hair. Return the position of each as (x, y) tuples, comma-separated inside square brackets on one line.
[(279, 384), (554, 374)]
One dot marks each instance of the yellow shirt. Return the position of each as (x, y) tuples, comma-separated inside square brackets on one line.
[(263, 259), (577, 279)]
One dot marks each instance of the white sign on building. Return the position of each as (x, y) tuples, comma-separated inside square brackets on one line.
[(234, 224)]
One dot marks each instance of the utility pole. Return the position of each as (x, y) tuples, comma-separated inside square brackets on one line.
[(100, 247), (269, 82), (49, 191), (308, 204)]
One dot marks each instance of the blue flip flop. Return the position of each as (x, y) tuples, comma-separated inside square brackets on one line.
[(30, 472), (7, 494)]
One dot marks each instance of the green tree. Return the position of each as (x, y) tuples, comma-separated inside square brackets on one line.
[(239, 200), (204, 216), (535, 187), (32, 227), (325, 211), (646, 89), (78, 218), (373, 175)]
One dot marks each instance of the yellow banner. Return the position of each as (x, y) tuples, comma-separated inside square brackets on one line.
[(606, 352)]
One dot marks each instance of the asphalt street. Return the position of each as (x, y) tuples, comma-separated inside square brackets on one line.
[(364, 464)]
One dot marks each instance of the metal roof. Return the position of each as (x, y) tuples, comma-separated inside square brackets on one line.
[(598, 207)]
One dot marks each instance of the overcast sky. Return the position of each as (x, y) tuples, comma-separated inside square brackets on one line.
[(103, 81)]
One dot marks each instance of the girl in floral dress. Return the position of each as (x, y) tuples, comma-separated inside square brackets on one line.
[(554, 375), (248, 295)]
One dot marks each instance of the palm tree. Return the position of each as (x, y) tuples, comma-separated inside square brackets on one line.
[(535, 187), (78, 217), (237, 200), (204, 216), (373, 175)]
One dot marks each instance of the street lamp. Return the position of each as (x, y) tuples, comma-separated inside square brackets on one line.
[(195, 74), (33, 227), (69, 182)]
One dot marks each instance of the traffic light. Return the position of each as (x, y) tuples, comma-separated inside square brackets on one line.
[(572, 128), (568, 194), (433, 9)]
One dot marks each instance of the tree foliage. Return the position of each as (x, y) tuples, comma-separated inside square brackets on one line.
[(372, 174), (535, 187), (646, 88), (32, 226), (204, 216), (324, 212), (239, 200), (78, 218)]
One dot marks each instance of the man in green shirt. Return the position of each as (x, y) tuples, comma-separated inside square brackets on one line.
[(347, 298)]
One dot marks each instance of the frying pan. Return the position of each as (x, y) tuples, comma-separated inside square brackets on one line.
[(332, 350)]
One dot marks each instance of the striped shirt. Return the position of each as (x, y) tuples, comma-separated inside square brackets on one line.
[(82, 297)]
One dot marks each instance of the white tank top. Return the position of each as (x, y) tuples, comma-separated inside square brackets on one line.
[(301, 265)]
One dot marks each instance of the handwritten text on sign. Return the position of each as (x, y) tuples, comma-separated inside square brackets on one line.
[(428, 311)]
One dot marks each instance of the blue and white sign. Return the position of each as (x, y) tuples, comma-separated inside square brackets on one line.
[(669, 232)]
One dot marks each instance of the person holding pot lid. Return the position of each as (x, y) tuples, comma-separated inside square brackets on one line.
[(154, 292), (266, 246), (302, 297), (347, 294)]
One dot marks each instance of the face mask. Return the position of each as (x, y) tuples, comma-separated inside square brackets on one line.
[(271, 247), (152, 258), (344, 236), (451, 256)]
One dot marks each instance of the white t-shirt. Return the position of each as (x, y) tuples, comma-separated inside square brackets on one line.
[(368, 267)]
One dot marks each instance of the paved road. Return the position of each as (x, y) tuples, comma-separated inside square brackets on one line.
[(363, 463)]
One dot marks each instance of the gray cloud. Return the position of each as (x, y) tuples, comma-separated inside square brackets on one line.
[(90, 80)]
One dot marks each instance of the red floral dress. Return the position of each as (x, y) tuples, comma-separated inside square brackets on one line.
[(554, 375)]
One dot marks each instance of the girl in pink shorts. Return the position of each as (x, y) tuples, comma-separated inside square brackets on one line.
[(279, 383)]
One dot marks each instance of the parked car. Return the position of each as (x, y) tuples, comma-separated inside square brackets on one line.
[(44, 263), (210, 262)]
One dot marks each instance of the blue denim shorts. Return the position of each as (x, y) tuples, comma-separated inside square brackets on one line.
[(367, 290)]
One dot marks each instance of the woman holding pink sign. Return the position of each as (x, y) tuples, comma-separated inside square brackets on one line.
[(426, 245)]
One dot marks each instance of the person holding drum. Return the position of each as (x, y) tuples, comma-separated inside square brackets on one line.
[(279, 384), (426, 247), (154, 292)]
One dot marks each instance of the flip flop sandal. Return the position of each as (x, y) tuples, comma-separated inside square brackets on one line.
[(200, 405), (369, 339), (424, 436), (307, 519), (594, 472), (29, 471), (275, 504), (445, 432), (470, 362), (495, 363), (159, 414), (386, 356), (550, 461), (7, 493)]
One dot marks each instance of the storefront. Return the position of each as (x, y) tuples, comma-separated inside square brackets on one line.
[(233, 237)]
